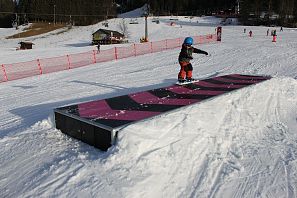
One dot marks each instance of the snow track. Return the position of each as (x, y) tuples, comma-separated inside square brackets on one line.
[(241, 144), (242, 148)]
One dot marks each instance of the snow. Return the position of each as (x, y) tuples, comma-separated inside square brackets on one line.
[(241, 144), (134, 13)]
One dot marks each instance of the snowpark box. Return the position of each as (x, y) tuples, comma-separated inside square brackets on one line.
[(97, 122)]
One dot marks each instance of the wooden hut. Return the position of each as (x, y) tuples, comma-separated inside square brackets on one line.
[(25, 45), (103, 36)]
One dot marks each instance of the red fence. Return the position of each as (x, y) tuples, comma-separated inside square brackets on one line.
[(15, 71)]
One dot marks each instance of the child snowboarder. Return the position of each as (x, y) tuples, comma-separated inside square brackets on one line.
[(185, 56)]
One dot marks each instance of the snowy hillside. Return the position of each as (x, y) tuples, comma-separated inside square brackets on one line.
[(139, 12), (242, 144)]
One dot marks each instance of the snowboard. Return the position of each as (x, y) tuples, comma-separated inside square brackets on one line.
[(186, 82)]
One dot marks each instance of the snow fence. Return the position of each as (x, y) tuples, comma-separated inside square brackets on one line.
[(14, 71)]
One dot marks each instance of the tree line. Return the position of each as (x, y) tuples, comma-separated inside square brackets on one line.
[(254, 12), (85, 12), (7, 7), (80, 12), (180, 7), (266, 12)]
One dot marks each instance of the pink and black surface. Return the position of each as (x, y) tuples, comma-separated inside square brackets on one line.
[(97, 122)]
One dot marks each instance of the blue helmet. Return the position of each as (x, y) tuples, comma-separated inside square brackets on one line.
[(188, 41)]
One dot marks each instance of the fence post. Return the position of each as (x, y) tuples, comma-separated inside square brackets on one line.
[(166, 44), (68, 61), (4, 73), (151, 47), (134, 46), (116, 53), (94, 56), (39, 66)]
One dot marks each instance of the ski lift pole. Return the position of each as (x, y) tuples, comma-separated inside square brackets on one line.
[(146, 29)]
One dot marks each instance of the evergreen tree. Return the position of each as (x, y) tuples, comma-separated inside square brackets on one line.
[(84, 12), (81, 11), (6, 12), (295, 11)]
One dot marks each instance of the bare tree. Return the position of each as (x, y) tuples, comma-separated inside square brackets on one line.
[(123, 27)]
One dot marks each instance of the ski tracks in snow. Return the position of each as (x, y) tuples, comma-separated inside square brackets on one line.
[(267, 166), (243, 148)]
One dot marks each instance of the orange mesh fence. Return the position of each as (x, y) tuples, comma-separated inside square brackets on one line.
[(205, 38), (211, 37), (81, 59), (105, 55), (3, 76), (159, 46), (47, 65), (22, 70), (125, 52), (143, 48), (173, 43)]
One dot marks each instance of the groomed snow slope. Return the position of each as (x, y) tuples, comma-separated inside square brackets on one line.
[(242, 144)]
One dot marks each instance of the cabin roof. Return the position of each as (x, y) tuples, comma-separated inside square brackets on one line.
[(105, 31)]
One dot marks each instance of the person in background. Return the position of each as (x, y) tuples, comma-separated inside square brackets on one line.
[(184, 58), (251, 33), (98, 48), (267, 32)]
